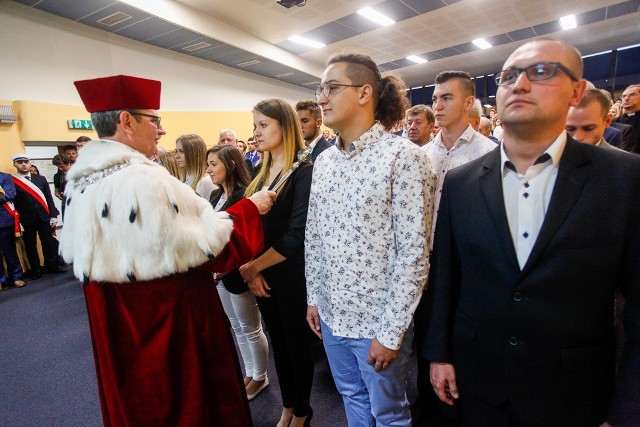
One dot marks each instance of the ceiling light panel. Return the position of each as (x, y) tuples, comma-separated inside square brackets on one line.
[(568, 22), (306, 42), (375, 16), (482, 43)]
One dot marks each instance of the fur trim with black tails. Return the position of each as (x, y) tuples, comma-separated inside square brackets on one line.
[(128, 219)]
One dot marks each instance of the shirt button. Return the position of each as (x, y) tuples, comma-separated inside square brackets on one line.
[(517, 296), (525, 234), (526, 195), (513, 341), (526, 185)]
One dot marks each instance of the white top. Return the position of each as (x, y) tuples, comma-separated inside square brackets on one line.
[(205, 186), (366, 249), (469, 146), (526, 197)]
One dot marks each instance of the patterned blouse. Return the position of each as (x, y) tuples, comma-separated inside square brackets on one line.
[(367, 233)]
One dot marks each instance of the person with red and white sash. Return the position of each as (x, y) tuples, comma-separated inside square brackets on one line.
[(8, 232), (38, 215)]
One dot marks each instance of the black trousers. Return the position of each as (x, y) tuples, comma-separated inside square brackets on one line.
[(49, 248), (284, 315)]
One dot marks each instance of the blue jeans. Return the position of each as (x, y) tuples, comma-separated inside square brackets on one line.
[(370, 398)]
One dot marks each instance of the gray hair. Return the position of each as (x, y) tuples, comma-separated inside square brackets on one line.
[(105, 122)]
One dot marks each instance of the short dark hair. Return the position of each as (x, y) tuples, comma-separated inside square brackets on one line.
[(595, 95), (463, 77), (389, 94), (311, 106), (83, 139), (69, 147)]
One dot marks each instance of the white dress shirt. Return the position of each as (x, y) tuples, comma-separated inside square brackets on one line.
[(469, 146), (527, 196), (368, 222)]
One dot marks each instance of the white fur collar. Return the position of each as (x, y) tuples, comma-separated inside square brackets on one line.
[(128, 219)]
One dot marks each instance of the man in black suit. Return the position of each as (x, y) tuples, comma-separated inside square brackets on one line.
[(38, 215), (527, 257), (310, 117)]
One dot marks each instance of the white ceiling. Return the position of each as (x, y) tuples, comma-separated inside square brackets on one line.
[(238, 31)]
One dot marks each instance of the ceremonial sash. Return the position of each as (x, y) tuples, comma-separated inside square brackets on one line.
[(16, 217), (33, 191)]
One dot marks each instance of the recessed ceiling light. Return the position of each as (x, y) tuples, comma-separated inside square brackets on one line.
[(568, 22), (482, 43), (290, 73), (196, 46), (375, 16), (416, 59), (249, 63), (114, 19), (307, 42)]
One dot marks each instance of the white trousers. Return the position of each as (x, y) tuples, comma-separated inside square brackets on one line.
[(244, 316)]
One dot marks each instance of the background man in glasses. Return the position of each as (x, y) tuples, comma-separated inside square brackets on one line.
[(528, 254)]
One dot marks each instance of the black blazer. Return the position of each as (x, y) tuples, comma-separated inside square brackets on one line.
[(284, 225), (322, 145), (543, 337), (30, 210)]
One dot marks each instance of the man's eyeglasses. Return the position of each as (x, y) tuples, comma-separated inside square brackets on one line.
[(155, 119), (535, 73), (327, 90)]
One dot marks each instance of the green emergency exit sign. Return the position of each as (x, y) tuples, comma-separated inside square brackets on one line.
[(79, 124)]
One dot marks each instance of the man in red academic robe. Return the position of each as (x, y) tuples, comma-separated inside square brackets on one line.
[(145, 245)]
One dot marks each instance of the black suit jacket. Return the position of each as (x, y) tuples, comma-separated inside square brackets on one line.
[(541, 337), (30, 210), (322, 145)]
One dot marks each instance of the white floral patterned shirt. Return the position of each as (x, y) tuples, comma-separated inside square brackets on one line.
[(469, 146), (367, 233)]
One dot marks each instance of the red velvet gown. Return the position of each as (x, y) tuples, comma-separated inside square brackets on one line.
[(163, 349)]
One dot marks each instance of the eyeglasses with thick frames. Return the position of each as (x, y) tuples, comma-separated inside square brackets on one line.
[(327, 90), (156, 119), (535, 73)]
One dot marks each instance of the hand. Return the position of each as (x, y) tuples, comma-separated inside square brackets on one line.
[(259, 287), (263, 200), (248, 272), (443, 380), (313, 319), (53, 222), (380, 356)]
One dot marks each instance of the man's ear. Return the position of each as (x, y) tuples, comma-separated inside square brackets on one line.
[(366, 95), (578, 91), (126, 119)]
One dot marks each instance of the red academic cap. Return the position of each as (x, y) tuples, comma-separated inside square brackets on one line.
[(119, 93)]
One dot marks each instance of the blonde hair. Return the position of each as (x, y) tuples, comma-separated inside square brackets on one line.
[(168, 160), (292, 139), (195, 158)]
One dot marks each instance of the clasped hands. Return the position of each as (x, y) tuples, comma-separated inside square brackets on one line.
[(256, 281)]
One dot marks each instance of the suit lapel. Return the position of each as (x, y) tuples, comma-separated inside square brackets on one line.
[(573, 172), (491, 188)]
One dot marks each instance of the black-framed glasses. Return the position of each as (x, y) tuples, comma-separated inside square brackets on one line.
[(535, 73), (327, 90), (156, 119)]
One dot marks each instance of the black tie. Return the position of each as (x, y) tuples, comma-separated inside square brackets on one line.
[(28, 177)]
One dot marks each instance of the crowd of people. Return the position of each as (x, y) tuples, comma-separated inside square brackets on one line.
[(501, 249)]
